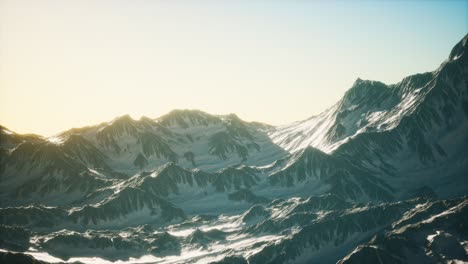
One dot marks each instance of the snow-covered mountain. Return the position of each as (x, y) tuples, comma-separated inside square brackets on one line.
[(412, 133), (191, 138), (435, 232), (381, 176)]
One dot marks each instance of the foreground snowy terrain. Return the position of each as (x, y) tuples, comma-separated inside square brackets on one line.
[(381, 176)]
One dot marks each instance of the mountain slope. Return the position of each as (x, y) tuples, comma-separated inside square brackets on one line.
[(439, 237), (412, 133), (380, 177), (190, 138)]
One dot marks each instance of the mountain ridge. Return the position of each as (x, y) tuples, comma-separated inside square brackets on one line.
[(378, 176)]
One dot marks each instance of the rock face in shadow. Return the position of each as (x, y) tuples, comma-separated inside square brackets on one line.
[(426, 236), (14, 238)]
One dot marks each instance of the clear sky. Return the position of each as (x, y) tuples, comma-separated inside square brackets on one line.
[(68, 64)]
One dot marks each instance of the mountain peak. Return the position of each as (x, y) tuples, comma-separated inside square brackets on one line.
[(310, 151), (122, 119), (187, 117), (145, 119), (363, 89), (233, 116), (360, 81), (460, 49), (357, 81), (187, 112)]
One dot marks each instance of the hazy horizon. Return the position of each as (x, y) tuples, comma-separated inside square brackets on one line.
[(65, 65)]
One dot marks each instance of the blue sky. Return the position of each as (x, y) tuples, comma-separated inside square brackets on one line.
[(73, 63)]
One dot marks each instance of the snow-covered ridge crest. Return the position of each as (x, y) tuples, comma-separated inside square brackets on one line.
[(371, 106), (190, 138)]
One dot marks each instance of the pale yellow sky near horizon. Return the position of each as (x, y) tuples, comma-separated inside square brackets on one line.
[(67, 64)]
